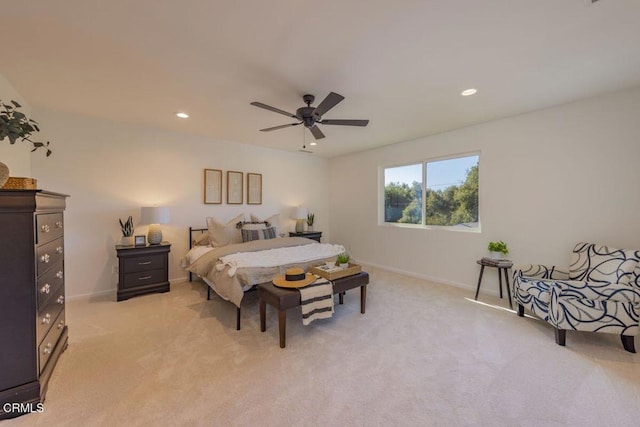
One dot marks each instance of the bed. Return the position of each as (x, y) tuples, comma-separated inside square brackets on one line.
[(230, 268)]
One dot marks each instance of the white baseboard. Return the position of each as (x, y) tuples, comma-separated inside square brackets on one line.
[(114, 291), (437, 280)]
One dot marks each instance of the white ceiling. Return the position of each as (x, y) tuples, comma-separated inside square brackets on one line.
[(401, 64)]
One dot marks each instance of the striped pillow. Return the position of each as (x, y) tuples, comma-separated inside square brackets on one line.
[(252, 233)]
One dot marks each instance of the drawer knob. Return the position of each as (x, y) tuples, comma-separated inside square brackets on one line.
[(60, 299), (144, 278), (58, 224), (59, 249), (45, 228), (144, 263), (45, 289), (59, 275), (47, 349), (45, 258), (46, 319), (61, 324)]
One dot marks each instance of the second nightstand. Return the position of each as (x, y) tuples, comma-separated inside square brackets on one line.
[(315, 235), (143, 269)]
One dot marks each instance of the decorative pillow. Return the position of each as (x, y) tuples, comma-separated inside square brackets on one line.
[(202, 240), (273, 220), (221, 234), (254, 233), (252, 225)]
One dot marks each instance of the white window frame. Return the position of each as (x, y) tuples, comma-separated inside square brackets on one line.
[(422, 225)]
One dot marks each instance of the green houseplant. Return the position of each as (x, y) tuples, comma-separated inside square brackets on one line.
[(343, 260), (127, 231), (311, 217), (498, 249), (14, 125)]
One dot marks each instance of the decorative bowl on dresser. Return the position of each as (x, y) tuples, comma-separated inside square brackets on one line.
[(143, 269), (33, 333)]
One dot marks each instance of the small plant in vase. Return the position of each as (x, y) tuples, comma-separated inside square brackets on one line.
[(498, 249), (14, 126), (343, 260), (311, 217), (127, 232)]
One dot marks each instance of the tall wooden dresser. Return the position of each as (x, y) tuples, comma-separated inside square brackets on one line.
[(33, 332)]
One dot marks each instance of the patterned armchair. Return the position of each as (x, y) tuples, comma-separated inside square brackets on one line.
[(599, 293)]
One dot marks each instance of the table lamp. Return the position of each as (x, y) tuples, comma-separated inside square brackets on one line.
[(154, 216), (300, 215)]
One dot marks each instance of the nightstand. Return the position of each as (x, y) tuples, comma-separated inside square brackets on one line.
[(143, 269), (315, 235)]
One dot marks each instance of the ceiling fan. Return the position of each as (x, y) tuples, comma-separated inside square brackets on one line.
[(311, 116)]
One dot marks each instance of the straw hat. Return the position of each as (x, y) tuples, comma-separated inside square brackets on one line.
[(294, 278)]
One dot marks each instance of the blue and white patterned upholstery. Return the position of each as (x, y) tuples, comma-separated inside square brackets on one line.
[(532, 286), (600, 293)]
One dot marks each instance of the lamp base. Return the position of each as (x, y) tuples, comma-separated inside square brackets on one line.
[(154, 236), (299, 225)]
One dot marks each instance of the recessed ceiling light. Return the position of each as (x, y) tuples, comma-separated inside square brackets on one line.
[(313, 143), (468, 92), (182, 115)]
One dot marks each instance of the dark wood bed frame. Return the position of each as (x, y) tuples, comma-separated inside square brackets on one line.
[(193, 232)]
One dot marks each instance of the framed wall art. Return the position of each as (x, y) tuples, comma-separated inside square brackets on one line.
[(212, 186), (234, 187), (254, 188)]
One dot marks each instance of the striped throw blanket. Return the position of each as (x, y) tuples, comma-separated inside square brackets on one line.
[(316, 301)]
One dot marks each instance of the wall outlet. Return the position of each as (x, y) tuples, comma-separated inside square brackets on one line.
[(114, 269)]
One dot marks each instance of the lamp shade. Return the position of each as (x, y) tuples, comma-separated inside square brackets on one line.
[(300, 212), (154, 215)]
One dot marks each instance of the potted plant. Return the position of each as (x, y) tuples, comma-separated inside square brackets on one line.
[(343, 260), (498, 249), (14, 125), (127, 232), (310, 219)]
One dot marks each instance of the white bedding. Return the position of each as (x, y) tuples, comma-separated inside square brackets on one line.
[(250, 270), (278, 256)]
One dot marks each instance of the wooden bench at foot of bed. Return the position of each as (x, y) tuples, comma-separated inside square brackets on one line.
[(284, 299)]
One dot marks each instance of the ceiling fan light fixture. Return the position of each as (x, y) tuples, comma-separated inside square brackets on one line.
[(182, 115), (469, 92), (313, 143)]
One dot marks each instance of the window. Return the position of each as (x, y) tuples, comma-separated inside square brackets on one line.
[(449, 188)]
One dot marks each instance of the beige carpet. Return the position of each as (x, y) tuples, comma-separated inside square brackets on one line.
[(423, 354)]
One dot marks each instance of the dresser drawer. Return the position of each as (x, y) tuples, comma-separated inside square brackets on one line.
[(49, 342), (142, 278), (144, 263), (49, 254), (47, 314), (48, 227), (49, 283)]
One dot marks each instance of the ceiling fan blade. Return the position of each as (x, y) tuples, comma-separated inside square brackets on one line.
[(274, 109), (345, 122), (317, 133), (328, 103), (280, 127)]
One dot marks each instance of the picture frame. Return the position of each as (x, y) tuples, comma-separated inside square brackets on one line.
[(234, 187), (212, 186), (254, 188), (140, 240)]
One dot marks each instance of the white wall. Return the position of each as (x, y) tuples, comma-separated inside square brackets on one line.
[(15, 156), (548, 180), (111, 169)]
